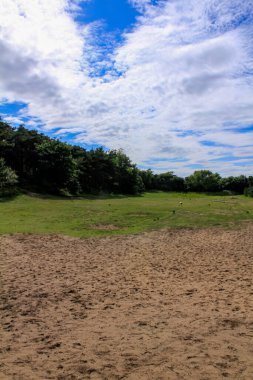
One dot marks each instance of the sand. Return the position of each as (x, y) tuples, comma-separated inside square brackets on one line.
[(161, 305)]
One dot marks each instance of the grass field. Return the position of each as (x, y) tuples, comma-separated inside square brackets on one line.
[(100, 216)]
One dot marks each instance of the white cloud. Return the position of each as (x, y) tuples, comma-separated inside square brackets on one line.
[(186, 75), (141, 5)]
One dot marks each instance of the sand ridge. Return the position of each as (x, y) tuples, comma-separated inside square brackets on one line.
[(160, 305)]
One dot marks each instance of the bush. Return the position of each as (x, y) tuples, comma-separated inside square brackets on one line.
[(248, 191), (8, 179)]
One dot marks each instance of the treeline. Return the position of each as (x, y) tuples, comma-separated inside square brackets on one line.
[(199, 181), (32, 161)]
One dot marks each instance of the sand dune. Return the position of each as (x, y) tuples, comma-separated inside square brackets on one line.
[(161, 305)]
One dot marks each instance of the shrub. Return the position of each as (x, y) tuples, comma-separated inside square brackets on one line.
[(8, 179), (249, 191)]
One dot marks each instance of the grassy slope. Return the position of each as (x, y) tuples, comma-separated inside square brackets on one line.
[(80, 217)]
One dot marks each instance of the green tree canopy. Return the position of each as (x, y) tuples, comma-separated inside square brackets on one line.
[(8, 179), (48, 165), (203, 181), (236, 184)]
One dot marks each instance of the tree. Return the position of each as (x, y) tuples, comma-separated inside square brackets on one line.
[(48, 165), (147, 177), (203, 180), (25, 158), (8, 179), (57, 171), (6, 142), (248, 191), (236, 184), (169, 182), (96, 171), (250, 181), (127, 179)]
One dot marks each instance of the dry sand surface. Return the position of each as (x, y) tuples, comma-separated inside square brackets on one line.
[(161, 305)]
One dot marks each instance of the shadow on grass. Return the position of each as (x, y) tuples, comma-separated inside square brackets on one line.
[(4, 198), (224, 193), (92, 197)]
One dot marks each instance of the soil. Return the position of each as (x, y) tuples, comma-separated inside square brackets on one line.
[(161, 305)]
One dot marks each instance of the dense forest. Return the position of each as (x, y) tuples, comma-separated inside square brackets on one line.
[(34, 162)]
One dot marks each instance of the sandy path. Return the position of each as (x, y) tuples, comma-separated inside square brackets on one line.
[(163, 305)]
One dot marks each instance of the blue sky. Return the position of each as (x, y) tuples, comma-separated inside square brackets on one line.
[(115, 16), (169, 81)]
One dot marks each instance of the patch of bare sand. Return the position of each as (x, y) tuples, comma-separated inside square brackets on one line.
[(164, 305), (105, 227)]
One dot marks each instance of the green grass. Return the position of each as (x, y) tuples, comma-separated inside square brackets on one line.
[(86, 217)]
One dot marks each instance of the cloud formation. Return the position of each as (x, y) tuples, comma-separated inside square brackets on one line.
[(176, 94)]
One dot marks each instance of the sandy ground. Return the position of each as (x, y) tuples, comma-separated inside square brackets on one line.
[(161, 305)]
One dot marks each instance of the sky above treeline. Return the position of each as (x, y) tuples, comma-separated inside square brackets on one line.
[(168, 81)]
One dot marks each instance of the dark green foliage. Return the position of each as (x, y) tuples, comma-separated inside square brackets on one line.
[(169, 182), (250, 180), (97, 172), (57, 171), (248, 191), (48, 165), (7, 134), (235, 184), (8, 179), (44, 164), (163, 182), (148, 179), (203, 181), (126, 176), (24, 158)]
